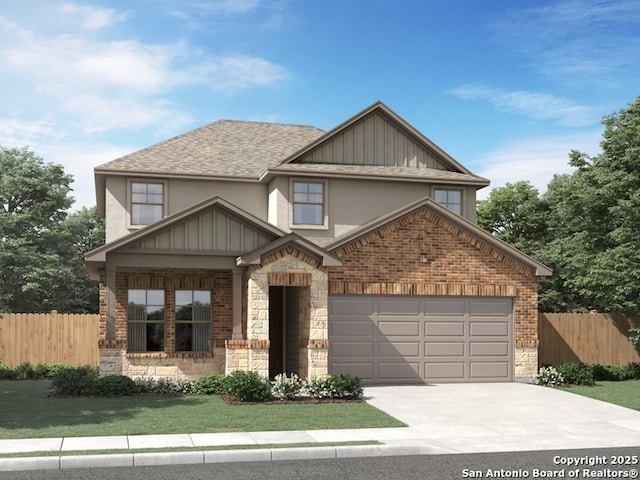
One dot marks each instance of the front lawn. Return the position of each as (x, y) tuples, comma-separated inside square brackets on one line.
[(625, 394), (27, 412)]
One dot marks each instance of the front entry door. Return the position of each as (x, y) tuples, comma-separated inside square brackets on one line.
[(284, 330), (276, 330)]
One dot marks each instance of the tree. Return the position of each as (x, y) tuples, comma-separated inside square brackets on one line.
[(514, 213), (586, 227), (594, 217), (41, 246)]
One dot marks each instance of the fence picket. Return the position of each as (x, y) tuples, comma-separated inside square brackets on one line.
[(586, 337), (49, 338)]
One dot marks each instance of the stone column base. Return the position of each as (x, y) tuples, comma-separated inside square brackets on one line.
[(526, 364)]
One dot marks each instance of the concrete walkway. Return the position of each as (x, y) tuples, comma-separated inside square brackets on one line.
[(452, 418)]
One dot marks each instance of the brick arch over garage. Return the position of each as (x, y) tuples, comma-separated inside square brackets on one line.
[(423, 253)]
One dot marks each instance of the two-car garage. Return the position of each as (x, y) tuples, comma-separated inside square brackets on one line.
[(386, 339)]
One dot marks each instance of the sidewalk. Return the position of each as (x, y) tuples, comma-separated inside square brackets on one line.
[(210, 445)]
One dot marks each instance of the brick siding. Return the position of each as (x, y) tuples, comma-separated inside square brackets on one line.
[(423, 254)]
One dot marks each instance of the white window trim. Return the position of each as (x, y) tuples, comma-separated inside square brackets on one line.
[(130, 181), (450, 189), (325, 204)]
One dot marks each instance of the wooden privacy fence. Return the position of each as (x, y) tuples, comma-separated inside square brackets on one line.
[(49, 338), (586, 337)]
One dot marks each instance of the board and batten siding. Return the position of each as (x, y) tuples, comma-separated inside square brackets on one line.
[(374, 141), (211, 231)]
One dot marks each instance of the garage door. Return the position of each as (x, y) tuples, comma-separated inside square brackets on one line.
[(415, 339)]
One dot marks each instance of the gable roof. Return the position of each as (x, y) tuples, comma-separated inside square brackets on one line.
[(251, 233), (295, 240), (226, 149), (463, 224), (376, 143)]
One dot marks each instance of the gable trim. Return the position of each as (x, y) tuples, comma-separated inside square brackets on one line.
[(295, 241), (455, 224), (386, 112), (95, 259)]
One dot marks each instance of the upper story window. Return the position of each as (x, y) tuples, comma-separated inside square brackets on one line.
[(147, 202), (451, 199), (309, 200)]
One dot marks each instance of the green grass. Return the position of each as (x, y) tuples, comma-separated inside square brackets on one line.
[(625, 394), (27, 412)]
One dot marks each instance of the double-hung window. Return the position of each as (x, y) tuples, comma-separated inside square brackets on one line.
[(145, 320), (451, 199), (147, 202), (193, 320), (308, 203)]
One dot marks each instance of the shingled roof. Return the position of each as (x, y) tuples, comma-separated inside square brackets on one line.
[(226, 148)]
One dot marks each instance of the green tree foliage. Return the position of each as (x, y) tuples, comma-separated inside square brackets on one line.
[(41, 245), (586, 227), (514, 213)]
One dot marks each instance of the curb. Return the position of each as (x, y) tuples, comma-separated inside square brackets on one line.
[(204, 457)]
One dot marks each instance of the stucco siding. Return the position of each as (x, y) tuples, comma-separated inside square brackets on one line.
[(353, 203), (180, 195)]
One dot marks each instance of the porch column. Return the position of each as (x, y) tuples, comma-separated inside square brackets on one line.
[(237, 304), (110, 333)]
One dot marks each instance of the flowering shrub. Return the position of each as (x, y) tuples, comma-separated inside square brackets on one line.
[(287, 387), (548, 376), (164, 386), (337, 385)]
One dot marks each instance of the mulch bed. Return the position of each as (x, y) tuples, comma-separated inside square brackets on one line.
[(231, 400)]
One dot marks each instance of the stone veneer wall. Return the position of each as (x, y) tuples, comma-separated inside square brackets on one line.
[(424, 254), (287, 267), (113, 356)]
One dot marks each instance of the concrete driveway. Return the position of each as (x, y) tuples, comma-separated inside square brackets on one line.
[(492, 417)]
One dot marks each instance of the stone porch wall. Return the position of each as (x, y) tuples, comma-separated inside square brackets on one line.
[(288, 267), (116, 361)]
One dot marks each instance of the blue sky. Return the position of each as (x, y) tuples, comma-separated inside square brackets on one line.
[(507, 87)]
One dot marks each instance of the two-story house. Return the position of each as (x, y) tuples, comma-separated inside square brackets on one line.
[(284, 248)]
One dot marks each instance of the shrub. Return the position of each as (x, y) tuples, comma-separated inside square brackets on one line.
[(248, 386), (337, 385), (210, 385), (634, 336), (548, 376), (576, 373), (633, 370), (25, 371), (344, 385), (287, 387), (44, 371), (164, 386), (115, 386), (319, 387), (75, 381), (6, 372), (610, 372)]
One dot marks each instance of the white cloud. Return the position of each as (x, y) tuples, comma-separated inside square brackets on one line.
[(536, 160), (89, 17), (536, 105), (579, 39), (72, 81)]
